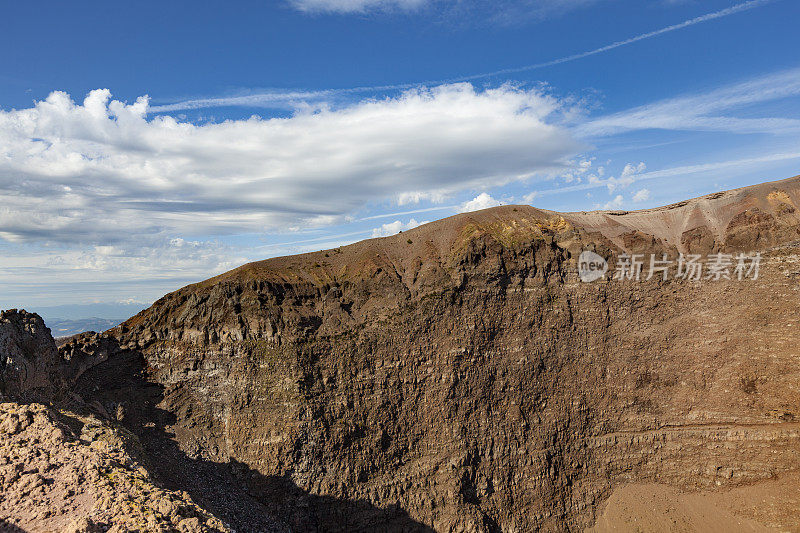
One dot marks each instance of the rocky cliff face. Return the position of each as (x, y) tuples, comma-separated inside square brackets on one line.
[(459, 376)]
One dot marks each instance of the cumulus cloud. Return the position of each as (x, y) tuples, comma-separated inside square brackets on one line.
[(615, 203), (629, 175), (482, 201), (101, 172), (642, 195), (354, 6), (395, 227), (578, 171)]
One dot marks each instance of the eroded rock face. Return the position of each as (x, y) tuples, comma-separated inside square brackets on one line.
[(29, 360), (82, 352), (459, 377)]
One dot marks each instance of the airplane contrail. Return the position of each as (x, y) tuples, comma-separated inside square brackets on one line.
[(745, 6), (291, 98)]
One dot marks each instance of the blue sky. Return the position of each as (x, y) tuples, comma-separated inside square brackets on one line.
[(148, 145)]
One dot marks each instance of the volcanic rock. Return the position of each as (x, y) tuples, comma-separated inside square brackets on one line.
[(460, 377)]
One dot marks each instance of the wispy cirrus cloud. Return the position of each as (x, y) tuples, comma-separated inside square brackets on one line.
[(354, 6), (710, 111), (506, 12), (503, 11), (476, 11), (268, 99), (738, 8), (292, 99), (753, 163)]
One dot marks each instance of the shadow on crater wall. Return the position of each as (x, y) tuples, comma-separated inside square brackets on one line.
[(239, 495), (5, 527)]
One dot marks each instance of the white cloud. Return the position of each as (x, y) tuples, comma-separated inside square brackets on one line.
[(642, 195), (754, 165), (615, 203), (438, 208), (705, 112), (509, 12), (632, 170), (482, 201), (131, 301), (354, 6), (273, 99), (502, 11), (396, 227), (102, 173), (131, 271), (629, 175), (578, 170), (530, 197)]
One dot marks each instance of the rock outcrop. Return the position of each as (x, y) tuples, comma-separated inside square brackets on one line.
[(29, 360)]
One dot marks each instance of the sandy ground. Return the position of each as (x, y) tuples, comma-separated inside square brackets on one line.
[(767, 506)]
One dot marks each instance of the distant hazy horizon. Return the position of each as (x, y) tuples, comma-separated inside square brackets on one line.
[(110, 311)]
